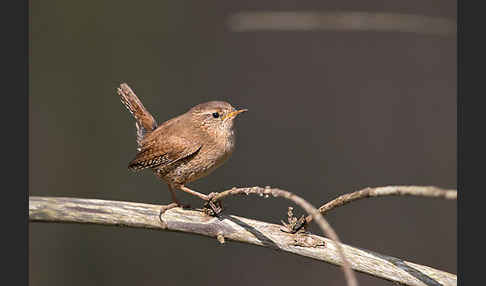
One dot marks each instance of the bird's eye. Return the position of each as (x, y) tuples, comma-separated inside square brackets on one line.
[(215, 115)]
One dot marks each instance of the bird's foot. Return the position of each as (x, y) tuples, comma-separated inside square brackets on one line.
[(212, 195), (166, 208), (212, 208), (171, 206)]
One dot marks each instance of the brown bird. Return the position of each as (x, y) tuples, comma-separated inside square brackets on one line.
[(185, 148)]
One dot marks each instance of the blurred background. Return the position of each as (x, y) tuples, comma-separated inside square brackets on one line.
[(342, 95)]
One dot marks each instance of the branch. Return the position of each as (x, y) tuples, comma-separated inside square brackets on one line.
[(138, 215), (418, 191), (250, 21)]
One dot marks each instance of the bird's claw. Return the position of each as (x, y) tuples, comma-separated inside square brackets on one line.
[(213, 208), (212, 195), (166, 208)]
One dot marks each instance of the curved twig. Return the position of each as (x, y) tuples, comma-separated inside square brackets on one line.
[(229, 227), (310, 209), (419, 191)]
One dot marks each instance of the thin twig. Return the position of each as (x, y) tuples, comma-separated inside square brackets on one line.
[(138, 215), (419, 191)]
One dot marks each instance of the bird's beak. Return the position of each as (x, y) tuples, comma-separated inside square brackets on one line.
[(233, 114)]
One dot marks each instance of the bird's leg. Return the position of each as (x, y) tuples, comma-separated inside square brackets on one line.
[(194, 193), (175, 203), (174, 198), (215, 208)]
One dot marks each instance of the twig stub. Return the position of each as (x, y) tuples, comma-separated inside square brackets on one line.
[(294, 225), (220, 238)]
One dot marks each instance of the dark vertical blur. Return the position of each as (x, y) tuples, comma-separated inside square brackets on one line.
[(329, 112)]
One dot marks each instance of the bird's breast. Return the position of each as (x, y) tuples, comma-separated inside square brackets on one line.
[(220, 150)]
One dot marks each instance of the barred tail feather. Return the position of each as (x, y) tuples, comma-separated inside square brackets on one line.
[(144, 121)]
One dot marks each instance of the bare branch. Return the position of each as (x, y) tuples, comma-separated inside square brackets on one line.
[(310, 209), (234, 228), (419, 191), (340, 21)]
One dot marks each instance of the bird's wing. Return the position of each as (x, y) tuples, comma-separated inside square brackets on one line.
[(163, 151)]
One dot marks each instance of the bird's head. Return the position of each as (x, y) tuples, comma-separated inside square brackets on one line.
[(215, 116)]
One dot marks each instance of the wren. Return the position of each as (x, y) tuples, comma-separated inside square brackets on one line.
[(185, 148)]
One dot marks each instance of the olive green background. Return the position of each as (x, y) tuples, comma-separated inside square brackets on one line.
[(329, 113)]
